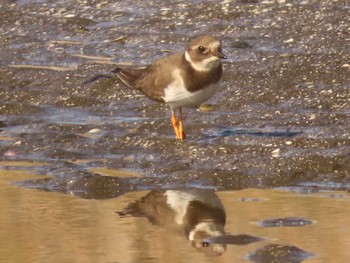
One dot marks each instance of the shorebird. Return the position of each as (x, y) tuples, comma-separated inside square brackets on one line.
[(185, 79), (196, 213)]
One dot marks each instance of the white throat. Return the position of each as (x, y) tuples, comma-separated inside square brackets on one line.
[(204, 65), (212, 229)]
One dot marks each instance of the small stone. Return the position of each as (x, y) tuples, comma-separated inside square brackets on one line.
[(10, 153), (312, 116), (276, 152), (291, 40), (95, 130), (206, 107)]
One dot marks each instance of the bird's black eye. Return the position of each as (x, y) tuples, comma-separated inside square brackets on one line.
[(205, 244), (201, 49)]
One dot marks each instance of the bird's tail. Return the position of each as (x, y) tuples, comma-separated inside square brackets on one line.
[(100, 76)]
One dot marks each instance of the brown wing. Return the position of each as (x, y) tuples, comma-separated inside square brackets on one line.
[(143, 79), (152, 79), (129, 75), (153, 206)]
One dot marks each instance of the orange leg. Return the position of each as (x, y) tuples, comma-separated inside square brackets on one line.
[(174, 123), (181, 127), (178, 126)]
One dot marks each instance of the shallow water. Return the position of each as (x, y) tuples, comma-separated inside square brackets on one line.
[(42, 226), (279, 123)]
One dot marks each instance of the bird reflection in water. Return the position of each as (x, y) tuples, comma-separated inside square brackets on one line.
[(198, 214)]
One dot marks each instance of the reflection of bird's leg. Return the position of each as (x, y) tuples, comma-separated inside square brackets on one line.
[(178, 125), (181, 128)]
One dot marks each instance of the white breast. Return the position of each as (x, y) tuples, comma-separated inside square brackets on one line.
[(176, 95), (179, 201)]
